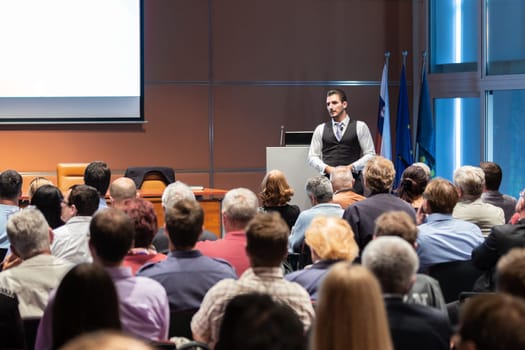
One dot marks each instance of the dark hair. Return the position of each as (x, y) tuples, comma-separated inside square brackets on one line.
[(339, 93), (255, 322), (86, 300), (10, 185), (184, 223), (85, 198), (267, 239), (144, 218), (98, 175), (493, 175), (413, 183), (111, 234), (47, 199)]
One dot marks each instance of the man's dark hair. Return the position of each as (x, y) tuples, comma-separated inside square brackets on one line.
[(339, 93), (184, 223), (267, 240), (98, 175), (84, 198), (10, 185), (493, 175), (111, 234), (255, 321)]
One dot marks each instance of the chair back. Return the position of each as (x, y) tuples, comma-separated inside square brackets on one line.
[(69, 174), (180, 323), (151, 179), (30, 330), (455, 277)]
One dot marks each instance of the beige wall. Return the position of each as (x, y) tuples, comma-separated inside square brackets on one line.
[(222, 76)]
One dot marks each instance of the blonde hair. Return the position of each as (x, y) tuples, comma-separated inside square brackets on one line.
[(275, 190), (35, 184), (351, 312), (331, 238), (379, 174)]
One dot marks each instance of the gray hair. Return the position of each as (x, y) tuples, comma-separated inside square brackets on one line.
[(240, 205), (341, 177), (393, 261), (176, 192), (28, 232), (320, 188), (470, 180)]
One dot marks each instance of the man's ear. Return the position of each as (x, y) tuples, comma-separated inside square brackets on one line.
[(51, 236), (74, 210), (165, 231)]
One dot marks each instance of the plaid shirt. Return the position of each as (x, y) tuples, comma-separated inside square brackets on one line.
[(207, 321)]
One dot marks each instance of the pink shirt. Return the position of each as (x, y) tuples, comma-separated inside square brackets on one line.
[(231, 248)]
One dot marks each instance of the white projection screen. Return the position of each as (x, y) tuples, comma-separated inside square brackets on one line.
[(71, 61)]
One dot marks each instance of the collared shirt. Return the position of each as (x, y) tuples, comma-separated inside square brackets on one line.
[(206, 322), (231, 248), (187, 276), (346, 197), (443, 238), (5, 212), (311, 276), (296, 239), (315, 155), (70, 241), (484, 215), (143, 304), (33, 280), (138, 257)]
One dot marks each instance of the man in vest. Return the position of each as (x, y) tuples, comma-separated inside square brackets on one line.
[(340, 141)]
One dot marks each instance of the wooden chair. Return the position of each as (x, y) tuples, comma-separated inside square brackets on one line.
[(69, 174)]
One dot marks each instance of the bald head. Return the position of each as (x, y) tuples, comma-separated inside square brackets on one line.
[(121, 189)]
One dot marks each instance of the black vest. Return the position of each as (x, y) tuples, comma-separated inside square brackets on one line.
[(341, 152)]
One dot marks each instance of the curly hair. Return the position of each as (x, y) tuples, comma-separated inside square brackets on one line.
[(275, 190)]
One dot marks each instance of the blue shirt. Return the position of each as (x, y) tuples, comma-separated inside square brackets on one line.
[(5, 212), (311, 276), (443, 239), (296, 239), (187, 276)]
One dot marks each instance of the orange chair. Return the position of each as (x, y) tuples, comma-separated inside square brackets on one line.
[(69, 174)]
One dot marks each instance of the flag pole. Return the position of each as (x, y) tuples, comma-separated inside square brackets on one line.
[(404, 53), (387, 57)]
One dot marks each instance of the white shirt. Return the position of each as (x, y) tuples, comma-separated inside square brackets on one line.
[(315, 155), (71, 240)]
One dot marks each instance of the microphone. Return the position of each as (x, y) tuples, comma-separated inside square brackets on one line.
[(281, 141)]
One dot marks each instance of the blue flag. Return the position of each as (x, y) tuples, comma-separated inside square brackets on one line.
[(425, 139), (383, 139), (403, 151)]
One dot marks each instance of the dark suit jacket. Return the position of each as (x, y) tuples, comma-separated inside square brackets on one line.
[(501, 239), (362, 215), (416, 326)]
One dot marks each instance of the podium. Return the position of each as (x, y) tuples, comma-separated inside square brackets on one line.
[(293, 162)]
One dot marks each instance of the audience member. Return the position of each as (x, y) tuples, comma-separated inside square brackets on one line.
[(11, 326), (320, 192), (394, 262), (173, 193), (378, 177), (187, 274), (502, 238), (106, 340), (144, 218), (48, 199), (330, 240), (470, 182), (491, 322), (275, 195), (239, 206), (39, 272), (65, 317), (10, 193), (343, 185), (98, 175), (510, 273), (491, 193), (426, 168), (120, 190), (443, 238), (255, 321), (412, 185), (144, 307), (350, 312), (71, 239), (425, 290), (266, 242), (35, 184)]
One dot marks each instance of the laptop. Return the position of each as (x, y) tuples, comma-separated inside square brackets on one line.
[(298, 138)]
